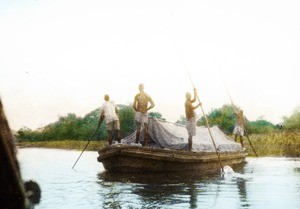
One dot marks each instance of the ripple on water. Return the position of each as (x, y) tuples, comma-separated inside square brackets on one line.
[(261, 183)]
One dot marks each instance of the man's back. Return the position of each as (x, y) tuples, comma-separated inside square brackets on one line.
[(109, 110)]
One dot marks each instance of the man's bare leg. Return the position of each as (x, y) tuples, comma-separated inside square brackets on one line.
[(109, 137), (146, 140), (242, 143), (118, 136), (235, 138), (190, 143), (137, 136)]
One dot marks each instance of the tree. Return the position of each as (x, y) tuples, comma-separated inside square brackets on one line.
[(223, 117), (157, 115), (71, 127), (182, 120), (126, 116), (260, 126), (292, 123)]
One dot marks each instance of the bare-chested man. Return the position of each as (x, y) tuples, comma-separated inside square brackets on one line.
[(239, 128), (190, 116), (140, 105)]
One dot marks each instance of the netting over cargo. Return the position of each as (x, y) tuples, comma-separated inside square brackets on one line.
[(172, 136)]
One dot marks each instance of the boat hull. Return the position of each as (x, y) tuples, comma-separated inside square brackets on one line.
[(126, 158)]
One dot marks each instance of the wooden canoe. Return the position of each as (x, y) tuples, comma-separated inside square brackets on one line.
[(128, 158)]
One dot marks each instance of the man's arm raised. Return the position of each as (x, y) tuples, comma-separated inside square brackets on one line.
[(195, 95)]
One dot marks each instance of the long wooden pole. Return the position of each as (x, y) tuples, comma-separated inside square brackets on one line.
[(207, 123), (85, 147), (250, 144), (181, 57), (232, 104)]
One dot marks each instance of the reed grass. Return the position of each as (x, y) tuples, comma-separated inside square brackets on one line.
[(273, 144), (65, 144)]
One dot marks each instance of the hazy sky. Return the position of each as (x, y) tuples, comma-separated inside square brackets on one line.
[(62, 56)]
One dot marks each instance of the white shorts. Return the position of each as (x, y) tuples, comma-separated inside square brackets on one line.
[(141, 118), (191, 126), (114, 125), (238, 130)]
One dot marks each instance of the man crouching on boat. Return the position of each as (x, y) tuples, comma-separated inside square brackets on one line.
[(190, 117), (140, 105), (109, 112)]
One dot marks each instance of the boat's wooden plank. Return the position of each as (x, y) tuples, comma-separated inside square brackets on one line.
[(131, 158)]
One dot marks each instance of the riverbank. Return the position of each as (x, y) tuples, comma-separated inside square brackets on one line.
[(274, 144), (66, 144)]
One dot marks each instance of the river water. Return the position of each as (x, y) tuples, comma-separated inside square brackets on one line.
[(267, 182)]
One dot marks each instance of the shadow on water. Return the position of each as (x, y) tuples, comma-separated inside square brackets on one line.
[(152, 190)]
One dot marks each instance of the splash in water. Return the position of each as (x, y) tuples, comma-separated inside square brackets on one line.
[(227, 170)]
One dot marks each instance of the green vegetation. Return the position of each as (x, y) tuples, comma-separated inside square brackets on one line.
[(71, 127), (274, 144), (66, 144), (71, 132), (266, 138), (225, 119), (292, 123)]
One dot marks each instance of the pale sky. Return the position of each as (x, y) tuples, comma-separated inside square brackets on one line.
[(62, 56)]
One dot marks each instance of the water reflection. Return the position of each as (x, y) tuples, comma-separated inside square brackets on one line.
[(239, 178), (193, 195), (171, 190), (157, 189), (261, 183), (241, 184)]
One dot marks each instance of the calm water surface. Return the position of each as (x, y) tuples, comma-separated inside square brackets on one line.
[(260, 183)]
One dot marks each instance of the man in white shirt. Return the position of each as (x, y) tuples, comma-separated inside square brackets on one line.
[(109, 113)]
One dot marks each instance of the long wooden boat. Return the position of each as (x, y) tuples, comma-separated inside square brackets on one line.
[(128, 158)]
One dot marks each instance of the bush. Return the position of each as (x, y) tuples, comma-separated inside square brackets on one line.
[(71, 127), (292, 123), (260, 126)]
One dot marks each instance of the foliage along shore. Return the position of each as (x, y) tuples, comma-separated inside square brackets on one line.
[(65, 144), (285, 144), (277, 144), (71, 132)]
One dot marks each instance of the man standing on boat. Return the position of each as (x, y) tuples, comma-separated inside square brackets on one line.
[(109, 113), (140, 105), (239, 128), (190, 117)]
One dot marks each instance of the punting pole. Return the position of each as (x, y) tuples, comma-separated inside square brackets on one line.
[(207, 123), (232, 104), (206, 119), (85, 147)]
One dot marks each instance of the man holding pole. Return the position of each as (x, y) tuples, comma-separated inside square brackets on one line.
[(109, 113), (239, 128), (191, 116), (140, 105)]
